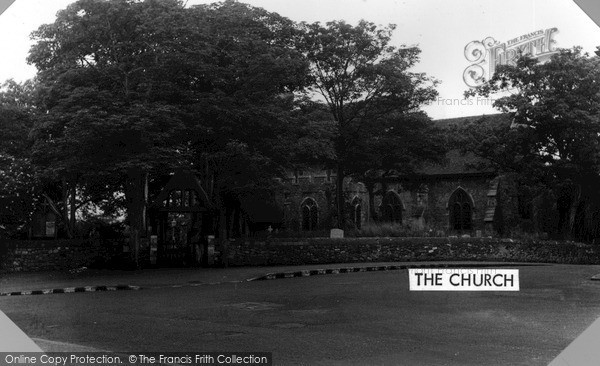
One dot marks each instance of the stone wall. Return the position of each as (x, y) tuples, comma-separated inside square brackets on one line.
[(320, 251), (45, 255), (72, 254)]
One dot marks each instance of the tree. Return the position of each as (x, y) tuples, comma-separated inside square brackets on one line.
[(244, 117), (17, 194), (17, 183), (134, 88), (554, 141), (16, 119), (365, 82), (109, 73), (396, 144)]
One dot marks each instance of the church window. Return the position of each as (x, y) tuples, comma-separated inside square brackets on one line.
[(309, 214), (391, 208), (461, 210)]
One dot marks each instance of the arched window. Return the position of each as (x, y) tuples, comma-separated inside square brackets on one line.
[(391, 208), (310, 214), (460, 205), (357, 212)]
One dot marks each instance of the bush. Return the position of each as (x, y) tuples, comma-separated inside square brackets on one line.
[(389, 229), (299, 234), (97, 228), (373, 230)]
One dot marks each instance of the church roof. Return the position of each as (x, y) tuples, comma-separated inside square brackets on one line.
[(183, 181), (499, 118), (456, 161)]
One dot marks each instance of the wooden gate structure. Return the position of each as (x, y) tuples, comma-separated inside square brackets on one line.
[(182, 218)]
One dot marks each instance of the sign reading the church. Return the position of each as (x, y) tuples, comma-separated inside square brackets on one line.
[(463, 279), (486, 55)]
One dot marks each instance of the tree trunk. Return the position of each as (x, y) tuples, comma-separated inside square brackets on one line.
[(65, 208), (136, 193), (223, 231), (341, 222), (370, 191), (575, 202), (73, 207)]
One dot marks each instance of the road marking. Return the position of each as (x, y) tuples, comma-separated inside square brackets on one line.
[(71, 290), (322, 271)]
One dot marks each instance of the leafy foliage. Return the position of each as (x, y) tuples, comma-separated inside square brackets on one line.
[(17, 182), (373, 99), (153, 86), (17, 194), (554, 141), (130, 88), (105, 88)]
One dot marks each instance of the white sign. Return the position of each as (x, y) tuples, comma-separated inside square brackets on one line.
[(463, 279)]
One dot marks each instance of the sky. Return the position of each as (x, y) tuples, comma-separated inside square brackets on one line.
[(440, 28)]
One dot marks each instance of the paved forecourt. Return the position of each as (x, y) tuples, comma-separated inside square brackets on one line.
[(367, 316)]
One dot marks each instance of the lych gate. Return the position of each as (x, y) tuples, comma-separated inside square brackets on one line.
[(181, 219)]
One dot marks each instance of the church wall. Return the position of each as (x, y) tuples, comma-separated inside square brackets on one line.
[(294, 195), (426, 201), (511, 221), (317, 186)]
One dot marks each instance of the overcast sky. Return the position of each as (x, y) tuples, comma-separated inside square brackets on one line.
[(441, 28)]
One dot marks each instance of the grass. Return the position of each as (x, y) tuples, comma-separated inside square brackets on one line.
[(383, 229), (387, 229)]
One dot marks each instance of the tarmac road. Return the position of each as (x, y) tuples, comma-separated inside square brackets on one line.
[(367, 318)]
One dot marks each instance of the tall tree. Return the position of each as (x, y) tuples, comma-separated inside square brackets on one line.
[(554, 141), (243, 120), (109, 73), (395, 144), (137, 87), (363, 79)]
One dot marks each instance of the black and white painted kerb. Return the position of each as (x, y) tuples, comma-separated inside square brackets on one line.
[(315, 272), (67, 290), (273, 276)]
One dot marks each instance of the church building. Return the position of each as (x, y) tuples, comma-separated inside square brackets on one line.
[(451, 198)]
